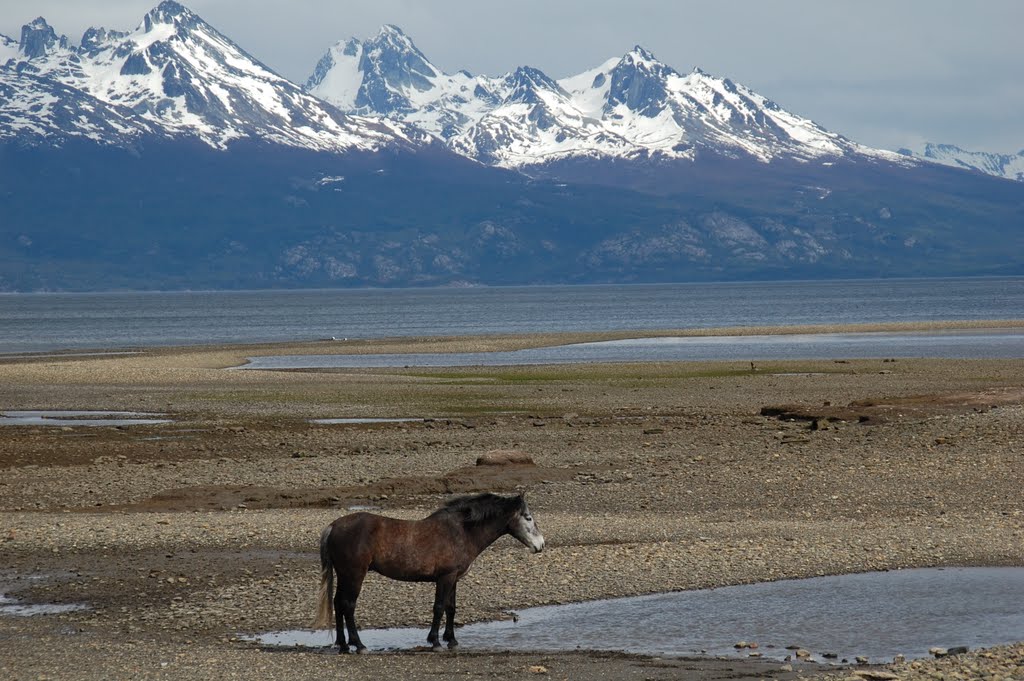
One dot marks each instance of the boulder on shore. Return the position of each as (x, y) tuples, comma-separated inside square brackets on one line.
[(504, 457)]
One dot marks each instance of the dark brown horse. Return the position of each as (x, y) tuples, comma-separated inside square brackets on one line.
[(440, 548)]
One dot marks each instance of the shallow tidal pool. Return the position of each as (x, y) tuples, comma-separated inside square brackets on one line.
[(877, 615)]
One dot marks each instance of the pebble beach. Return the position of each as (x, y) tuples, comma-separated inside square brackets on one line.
[(182, 538)]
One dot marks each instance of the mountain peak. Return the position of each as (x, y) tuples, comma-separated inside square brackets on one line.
[(642, 58), (39, 23), (378, 75), (170, 12), (95, 38), (527, 80), (391, 29), (394, 43), (170, 8), (392, 39), (642, 53), (639, 82), (39, 39)]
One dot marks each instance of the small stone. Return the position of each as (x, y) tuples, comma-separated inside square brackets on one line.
[(802, 653), (875, 675), (860, 659), (786, 668), (538, 669), (938, 651)]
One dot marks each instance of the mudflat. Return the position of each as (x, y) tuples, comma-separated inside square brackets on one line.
[(646, 477)]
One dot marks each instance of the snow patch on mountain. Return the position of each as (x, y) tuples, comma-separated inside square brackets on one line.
[(8, 49), (42, 111)]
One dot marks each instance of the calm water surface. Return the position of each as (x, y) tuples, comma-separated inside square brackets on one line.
[(46, 322)]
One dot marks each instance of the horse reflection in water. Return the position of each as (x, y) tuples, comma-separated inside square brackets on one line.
[(440, 548)]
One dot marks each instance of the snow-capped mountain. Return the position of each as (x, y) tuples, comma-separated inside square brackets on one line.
[(633, 106), (1009, 166), (181, 76)]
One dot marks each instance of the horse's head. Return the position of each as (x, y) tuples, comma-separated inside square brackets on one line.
[(523, 527)]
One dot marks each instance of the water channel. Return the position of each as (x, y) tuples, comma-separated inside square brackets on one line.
[(80, 418), (955, 344), (877, 615)]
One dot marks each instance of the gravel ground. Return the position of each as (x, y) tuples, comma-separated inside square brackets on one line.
[(649, 477)]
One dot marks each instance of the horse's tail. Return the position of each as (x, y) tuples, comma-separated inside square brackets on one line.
[(325, 599)]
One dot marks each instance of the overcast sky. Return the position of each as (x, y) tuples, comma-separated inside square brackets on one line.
[(887, 73)]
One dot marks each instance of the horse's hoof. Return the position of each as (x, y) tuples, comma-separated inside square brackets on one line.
[(437, 648), (361, 650), (453, 644), (343, 650)]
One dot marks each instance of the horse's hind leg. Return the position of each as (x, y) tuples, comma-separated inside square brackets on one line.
[(339, 619), (349, 587)]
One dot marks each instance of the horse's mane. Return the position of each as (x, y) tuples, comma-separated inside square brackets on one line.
[(479, 508)]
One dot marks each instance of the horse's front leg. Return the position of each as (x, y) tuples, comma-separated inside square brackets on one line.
[(445, 585), (449, 612)]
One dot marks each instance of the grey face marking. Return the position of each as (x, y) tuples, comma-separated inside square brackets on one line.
[(524, 528)]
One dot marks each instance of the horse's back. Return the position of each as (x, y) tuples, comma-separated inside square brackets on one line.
[(411, 550), (355, 531), (352, 538)]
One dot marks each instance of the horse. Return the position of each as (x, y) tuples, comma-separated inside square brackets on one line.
[(439, 548)]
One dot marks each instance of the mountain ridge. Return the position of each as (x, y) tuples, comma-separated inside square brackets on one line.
[(1008, 166), (183, 77), (633, 106)]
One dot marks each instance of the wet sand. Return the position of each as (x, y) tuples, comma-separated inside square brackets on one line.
[(648, 478)]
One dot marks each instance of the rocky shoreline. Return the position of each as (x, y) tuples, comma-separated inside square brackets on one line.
[(647, 478)]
